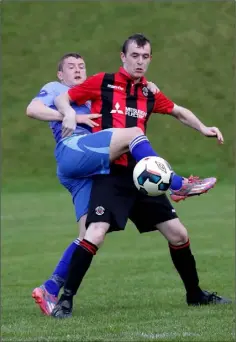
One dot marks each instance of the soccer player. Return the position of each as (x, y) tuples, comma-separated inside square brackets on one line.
[(79, 157), (124, 101)]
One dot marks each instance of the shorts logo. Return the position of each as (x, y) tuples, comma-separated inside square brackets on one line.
[(99, 210), (145, 91)]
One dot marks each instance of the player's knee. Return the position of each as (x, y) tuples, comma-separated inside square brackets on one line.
[(136, 131), (96, 232), (179, 238)]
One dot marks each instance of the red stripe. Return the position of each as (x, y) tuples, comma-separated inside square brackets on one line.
[(119, 120), (181, 246), (89, 246), (96, 105)]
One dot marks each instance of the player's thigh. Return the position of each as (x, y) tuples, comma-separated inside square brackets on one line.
[(149, 211), (174, 231), (84, 156), (111, 200)]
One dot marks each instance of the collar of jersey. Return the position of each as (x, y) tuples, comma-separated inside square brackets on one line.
[(125, 74)]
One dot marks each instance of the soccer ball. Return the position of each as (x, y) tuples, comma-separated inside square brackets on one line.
[(152, 176)]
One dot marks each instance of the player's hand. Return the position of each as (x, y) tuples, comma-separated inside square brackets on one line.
[(87, 119), (68, 124), (213, 132), (152, 87)]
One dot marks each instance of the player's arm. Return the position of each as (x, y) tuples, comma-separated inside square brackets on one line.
[(166, 106), (187, 117), (89, 90), (38, 110)]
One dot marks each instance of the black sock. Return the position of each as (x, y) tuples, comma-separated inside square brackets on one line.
[(79, 265), (186, 266)]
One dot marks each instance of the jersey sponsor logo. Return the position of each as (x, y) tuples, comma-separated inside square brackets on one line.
[(135, 113), (114, 87), (117, 109), (42, 93), (99, 210), (129, 111), (145, 91)]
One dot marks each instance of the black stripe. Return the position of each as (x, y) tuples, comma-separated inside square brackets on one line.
[(150, 105), (107, 100), (131, 102)]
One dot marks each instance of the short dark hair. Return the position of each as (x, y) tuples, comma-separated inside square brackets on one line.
[(67, 55), (138, 38)]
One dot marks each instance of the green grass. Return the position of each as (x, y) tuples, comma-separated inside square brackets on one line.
[(132, 292)]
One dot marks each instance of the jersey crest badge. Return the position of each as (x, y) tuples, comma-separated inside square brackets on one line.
[(145, 91)]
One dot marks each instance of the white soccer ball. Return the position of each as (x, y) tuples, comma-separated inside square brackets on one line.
[(152, 176)]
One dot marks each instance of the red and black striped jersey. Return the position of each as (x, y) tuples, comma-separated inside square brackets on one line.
[(121, 102)]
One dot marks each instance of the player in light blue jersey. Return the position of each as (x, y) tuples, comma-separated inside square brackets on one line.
[(79, 156)]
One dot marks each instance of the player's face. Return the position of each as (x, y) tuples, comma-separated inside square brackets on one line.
[(137, 59), (73, 72)]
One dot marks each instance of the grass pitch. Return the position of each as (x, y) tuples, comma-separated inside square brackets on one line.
[(131, 292)]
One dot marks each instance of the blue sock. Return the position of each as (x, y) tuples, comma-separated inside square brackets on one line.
[(57, 280), (176, 182), (140, 148)]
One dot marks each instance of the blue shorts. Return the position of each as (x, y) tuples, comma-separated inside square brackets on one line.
[(80, 190), (84, 155), (78, 158)]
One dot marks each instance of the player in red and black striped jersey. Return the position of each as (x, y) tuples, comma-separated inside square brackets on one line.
[(124, 101)]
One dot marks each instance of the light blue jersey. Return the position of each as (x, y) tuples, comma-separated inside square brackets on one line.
[(47, 95)]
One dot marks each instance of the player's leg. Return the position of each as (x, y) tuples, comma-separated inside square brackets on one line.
[(87, 155), (160, 215), (185, 264), (110, 211), (45, 296), (140, 147)]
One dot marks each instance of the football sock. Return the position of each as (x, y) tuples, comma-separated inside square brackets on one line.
[(57, 280), (186, 266), (80, 262), (140, 148)]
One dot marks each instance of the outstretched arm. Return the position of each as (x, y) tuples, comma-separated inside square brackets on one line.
[(188, 118)]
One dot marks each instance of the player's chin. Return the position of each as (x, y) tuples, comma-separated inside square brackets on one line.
[(138, 74), (78, 81)]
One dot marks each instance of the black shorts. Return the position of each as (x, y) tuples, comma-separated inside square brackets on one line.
[(115, 199)]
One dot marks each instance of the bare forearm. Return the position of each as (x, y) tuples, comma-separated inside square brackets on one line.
[(37, 110), (188, 118), (62, 102)]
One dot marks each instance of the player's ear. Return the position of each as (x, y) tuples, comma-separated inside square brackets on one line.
[(59, 75), (122, 57)]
